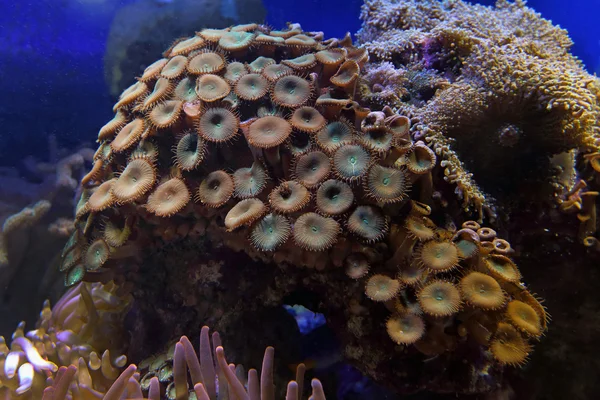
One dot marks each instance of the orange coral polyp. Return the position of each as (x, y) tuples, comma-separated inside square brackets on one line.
[(102, 198), (291, 91), (218, 125), (206, 63), (307, 119), (508, 346), (438, 256), (175, 67), (244, 213), (216, 189), (405, 329), (138, 177), (524, 318), (334, 197), (166, 114), (251, 87), (315, 233), (269, 131), (368, 222), (312, 168), (210, 87), (382, 288), (128, 135), (386, 185), (502, 267), (439, 298), (482, 291), (289, 197), (169, 198)]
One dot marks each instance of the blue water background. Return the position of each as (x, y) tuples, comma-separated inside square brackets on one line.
[(51, 70)]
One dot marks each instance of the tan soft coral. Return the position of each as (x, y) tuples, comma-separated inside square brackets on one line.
[(512, 87)]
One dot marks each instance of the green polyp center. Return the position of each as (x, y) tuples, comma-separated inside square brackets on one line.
[(352, 160), (270, 229), (386, 181), (314, 229), (365, 221)]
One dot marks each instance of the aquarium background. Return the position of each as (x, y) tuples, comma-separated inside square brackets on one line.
[(56, 93)]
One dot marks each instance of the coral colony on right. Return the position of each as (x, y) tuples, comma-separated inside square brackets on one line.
[(373, 182)]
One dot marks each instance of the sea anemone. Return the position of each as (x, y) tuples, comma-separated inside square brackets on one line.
[(368, 222), (275, 71), (291, 91), (302, 63), (153, 70), (378, 139), (315, 233), (421, 159), (410, 273), (162, 88), (346, 75), (131, 94), (96, 255), (244, 213), (350, 162), (112, 126), (169, 198), (524, 318), (334, 135), (334, 197), (386, 185), (482, 291), (234, 71), (212, 87), (249, 182), (420, 227), (467, 242), (508, 346), (270, 232), (216, 189), (269, 131), (502, 268), (307, 119), (260, 63), (357, 265), (438, 256), (175, 67), (251, 87), (102, 198), (145, 150), (536, 304), (235, 41), (165, 114), (128, 135), (289, 197), (189, 152), (218, 125), (439, 298), (312, 168), (382, 288), (136, 179), (206, 63), (299, 143), (116, 236), (405, 329), (187, 45)]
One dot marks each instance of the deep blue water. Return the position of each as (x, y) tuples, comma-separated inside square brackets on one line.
[(51, 70)]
